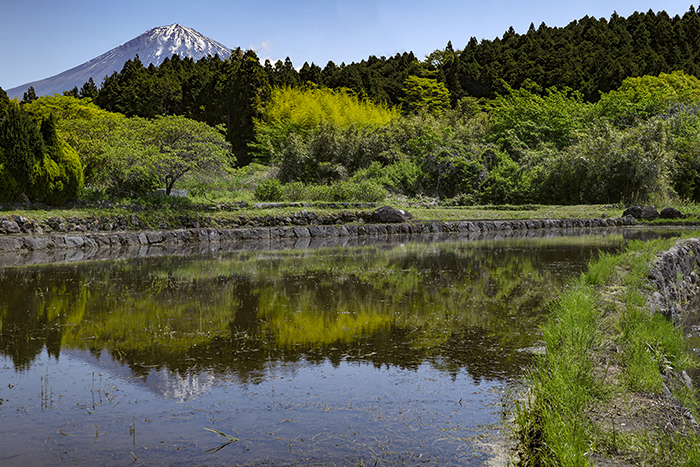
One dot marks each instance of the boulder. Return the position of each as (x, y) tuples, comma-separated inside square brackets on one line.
[(649, 213), (9, 227), (388, 214), (634, 211), (670, 213)]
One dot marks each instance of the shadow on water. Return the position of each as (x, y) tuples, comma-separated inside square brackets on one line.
[(395, 351)]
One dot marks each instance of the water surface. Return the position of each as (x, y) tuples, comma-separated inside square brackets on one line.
[(388, 354)]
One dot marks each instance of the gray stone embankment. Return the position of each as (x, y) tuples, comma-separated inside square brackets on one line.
[(676, 295), (15, 241), (675, 281)]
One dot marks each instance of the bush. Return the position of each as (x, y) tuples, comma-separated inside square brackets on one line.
[(403, 177), (447, 172), (295, 191), (59, 177), (370, 192), (269, 190), (610, 165), (367, 191), (506, 183)]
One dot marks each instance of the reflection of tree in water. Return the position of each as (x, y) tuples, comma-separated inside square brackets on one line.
[(456, 306), (34, 310)]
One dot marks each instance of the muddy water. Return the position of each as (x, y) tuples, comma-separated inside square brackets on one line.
[(394, 354)]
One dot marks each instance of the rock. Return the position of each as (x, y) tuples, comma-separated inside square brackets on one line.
[(19, 219), (387, 214), (634, 211), (670, 213), (9, 227), (74, 241), (649, 213)]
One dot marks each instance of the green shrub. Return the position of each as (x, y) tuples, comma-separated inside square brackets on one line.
[(58, 178), (269, 190), (295, 191), (343, 191), (506, 183), (447, 172), (369, 192), (46, 184)]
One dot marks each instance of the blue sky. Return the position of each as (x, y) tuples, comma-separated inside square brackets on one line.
[(39, 39)]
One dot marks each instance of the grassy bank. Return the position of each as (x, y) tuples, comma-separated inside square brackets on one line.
[(156, 212), (598, 396)]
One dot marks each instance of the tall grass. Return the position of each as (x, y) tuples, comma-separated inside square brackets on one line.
[(556, 427), (562, 383)]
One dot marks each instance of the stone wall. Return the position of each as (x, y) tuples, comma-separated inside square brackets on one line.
[(89, 240), (676, 285), (676, 295), (21, 249)]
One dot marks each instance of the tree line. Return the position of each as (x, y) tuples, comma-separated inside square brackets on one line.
[(588, 55), (487, 123)]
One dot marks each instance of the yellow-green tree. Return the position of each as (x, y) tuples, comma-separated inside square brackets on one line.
[(295, 113), (85, 127), (308, 107), (646, 96)]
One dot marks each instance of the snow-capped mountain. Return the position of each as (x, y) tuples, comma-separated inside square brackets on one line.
[(153, 46)]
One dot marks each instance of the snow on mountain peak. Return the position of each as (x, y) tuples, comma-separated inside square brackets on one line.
[(153, 46)]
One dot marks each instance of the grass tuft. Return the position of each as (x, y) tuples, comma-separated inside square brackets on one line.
[(574, 411)]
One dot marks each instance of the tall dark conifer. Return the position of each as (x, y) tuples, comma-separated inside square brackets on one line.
[(4, 102), (29, 96), (22, 147), (89, 89)]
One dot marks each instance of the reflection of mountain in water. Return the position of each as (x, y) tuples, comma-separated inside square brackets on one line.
[(160, 381), (171, 385)]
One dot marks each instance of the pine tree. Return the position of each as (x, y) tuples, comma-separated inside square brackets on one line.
[(243, 89), (310, 73)]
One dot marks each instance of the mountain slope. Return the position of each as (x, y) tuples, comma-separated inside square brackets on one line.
[(153, 46)]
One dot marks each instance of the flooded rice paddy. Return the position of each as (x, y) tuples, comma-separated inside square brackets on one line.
[(396, 353)]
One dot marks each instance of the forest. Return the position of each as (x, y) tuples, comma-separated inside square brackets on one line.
[(599, 111)]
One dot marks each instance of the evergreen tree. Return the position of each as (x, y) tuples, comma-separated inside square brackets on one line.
[(310, 73), (242, 90), (29, 96), (73, 92), (4, 102), (22, 146), (48, 131), (89, 89)]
